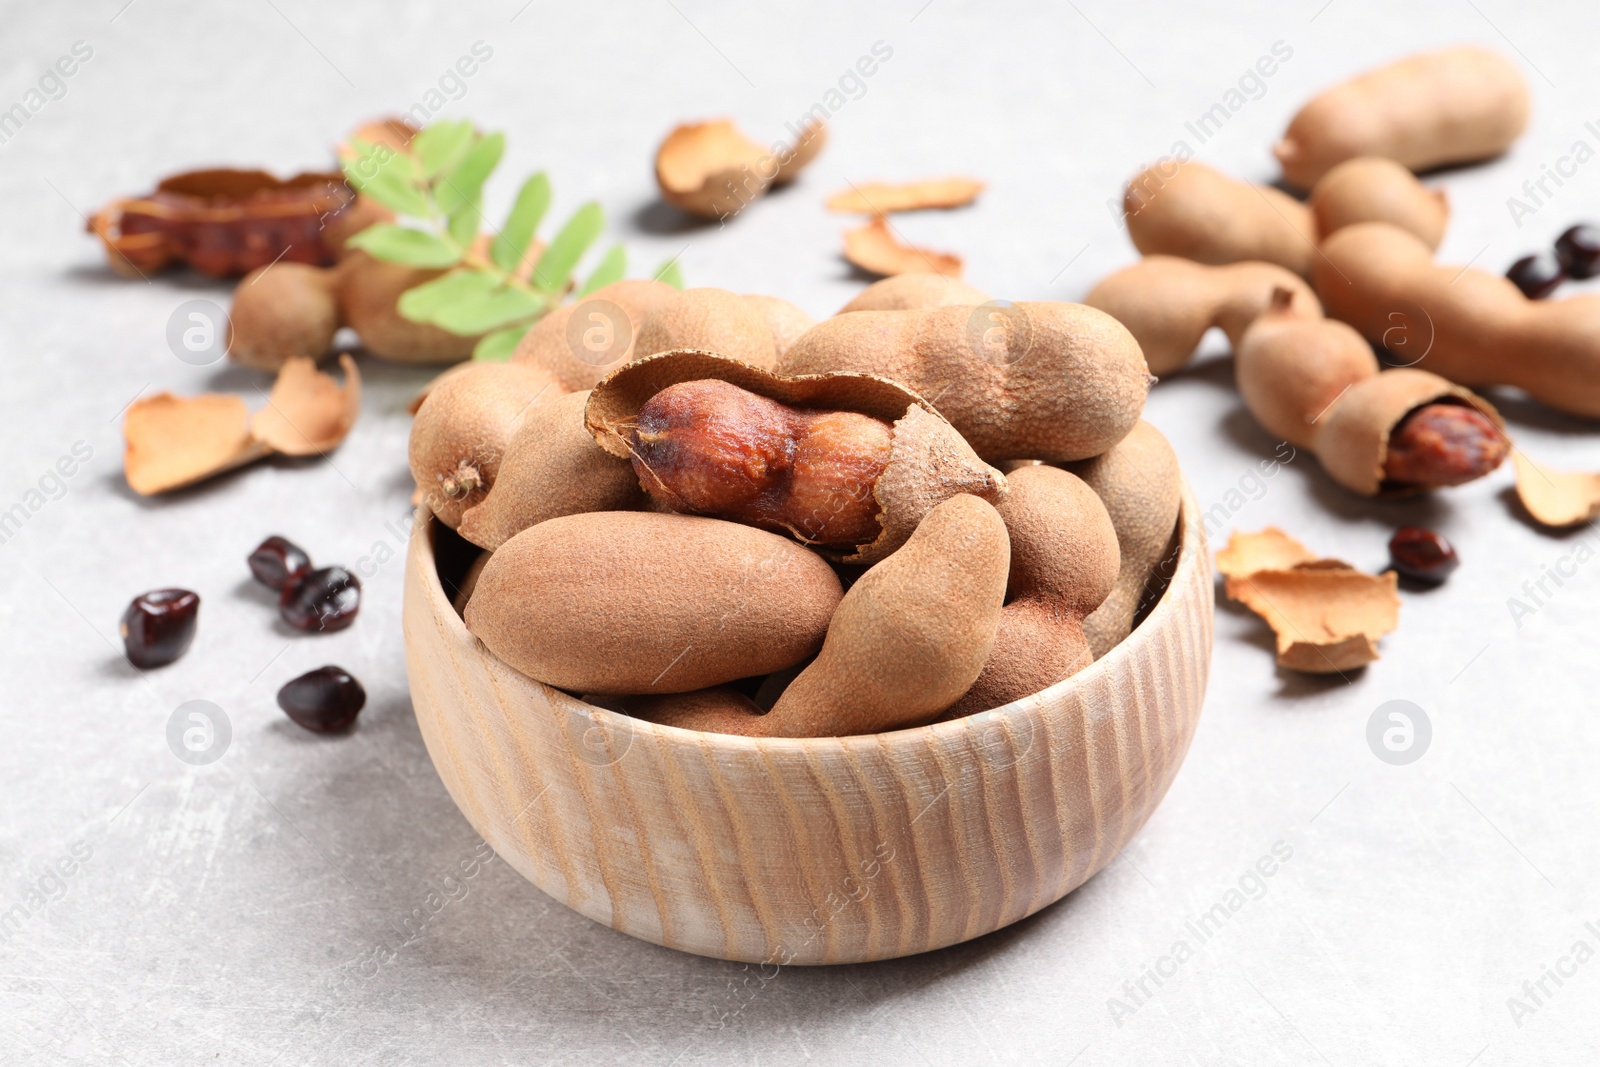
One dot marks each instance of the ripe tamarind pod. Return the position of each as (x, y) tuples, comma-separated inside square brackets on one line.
[(1138, 481), (1374, 189), (1049, 381), (369, 293), (638, 602), (919, 289), (1064, 564), (581, 342), (1470, 326), (1290, 369), (718, 710), (462, 428), (786, 322), (712, 320), (1169, 303), (910, 637), (281, 312), (847, 463), (1201, 214), (551, 467), (1456, 105), (1315, 383)]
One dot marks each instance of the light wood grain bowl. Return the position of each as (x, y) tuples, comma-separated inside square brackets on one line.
[(826, 850)]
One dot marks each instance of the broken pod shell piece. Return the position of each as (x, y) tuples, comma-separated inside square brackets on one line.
[(1327, 615), (847, 463), (712, 170)]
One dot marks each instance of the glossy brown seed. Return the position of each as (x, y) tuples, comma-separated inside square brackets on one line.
[(1537, 275), (1579, 250), (278, 561), (159, 626), (325, 700), (1418, 553), (325, 600)]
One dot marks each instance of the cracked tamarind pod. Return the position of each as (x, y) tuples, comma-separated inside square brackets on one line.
[(462, 429), (1315, 383), (1050, 381), (1169, 303), (848, 464), (1138, 481)]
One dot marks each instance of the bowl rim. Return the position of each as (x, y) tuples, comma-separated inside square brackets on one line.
[(1190, 551)]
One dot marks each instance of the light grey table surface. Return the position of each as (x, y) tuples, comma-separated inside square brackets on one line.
[(255, 911)]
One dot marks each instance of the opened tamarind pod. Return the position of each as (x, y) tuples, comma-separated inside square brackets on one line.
[(1049, 381), (847, 463), (1315, 383), (1138, 481), (1465, 324), (1169, 303), (1188, 209)]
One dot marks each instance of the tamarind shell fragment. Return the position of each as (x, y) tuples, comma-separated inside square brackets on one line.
[(929, 462)]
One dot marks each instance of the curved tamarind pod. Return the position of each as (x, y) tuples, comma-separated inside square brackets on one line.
[(1138, 481), (1467, 325), (1452, 106), (1168, 303), (1374, 189), (1064, 564), (1204, 215), (1291, 369)]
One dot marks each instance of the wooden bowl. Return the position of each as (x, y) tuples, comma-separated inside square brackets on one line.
[(816, 850)]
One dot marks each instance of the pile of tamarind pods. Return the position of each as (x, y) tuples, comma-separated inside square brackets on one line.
[(928, 505), (1305, 290)]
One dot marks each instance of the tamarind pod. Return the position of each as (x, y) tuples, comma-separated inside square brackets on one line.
[(711, 320), (1465, 324), (1201, 214), (1290, 369), (1138, 481), (911, 635), (280, 312), (1064, 564), (1050, 381), (1168, 303), (369, 293), (786, 322), (1456, 105), (578, 354), (919, 289), (638, 602), (1374, 189), (718, 710), (551, 467)]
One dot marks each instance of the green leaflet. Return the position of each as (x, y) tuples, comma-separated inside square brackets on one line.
[(401, 244), (441, 145), (497, 347), (481, 312), (533, 200), (555, 266), (669, 273), (611, 269), (423, 302)]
